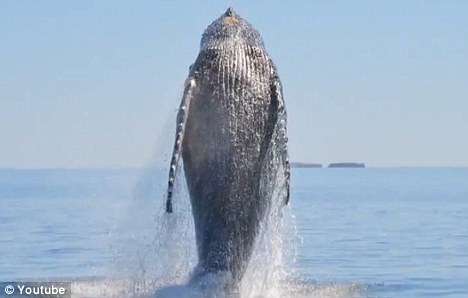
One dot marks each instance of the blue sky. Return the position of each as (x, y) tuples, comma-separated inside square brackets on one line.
[(97, 83)]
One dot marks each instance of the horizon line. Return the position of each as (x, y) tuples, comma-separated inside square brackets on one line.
[(115, 168)]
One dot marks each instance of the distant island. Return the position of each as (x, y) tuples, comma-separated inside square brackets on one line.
[(305, 165), (346, 165), (298, 164)]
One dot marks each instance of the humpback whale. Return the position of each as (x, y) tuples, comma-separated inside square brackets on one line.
[(231, 134)]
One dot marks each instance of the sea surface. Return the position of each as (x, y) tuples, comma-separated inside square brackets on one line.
[(374, 232)]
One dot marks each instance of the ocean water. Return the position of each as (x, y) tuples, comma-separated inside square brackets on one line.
[(389, 232)]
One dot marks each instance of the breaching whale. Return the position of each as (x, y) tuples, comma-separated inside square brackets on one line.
[(231, 133)]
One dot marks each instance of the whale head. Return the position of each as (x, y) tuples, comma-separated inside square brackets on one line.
[(230, 29)]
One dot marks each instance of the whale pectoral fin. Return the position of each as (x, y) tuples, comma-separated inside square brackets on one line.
[(182, 116), (281, 138)]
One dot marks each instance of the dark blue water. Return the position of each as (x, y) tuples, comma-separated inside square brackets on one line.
[(400, 232)]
